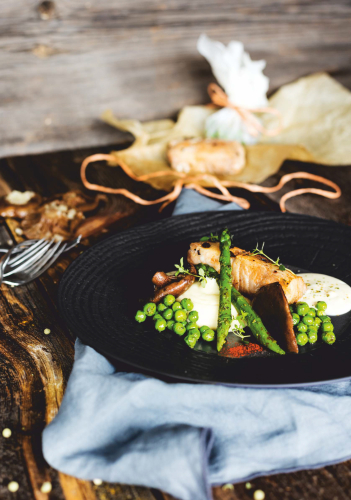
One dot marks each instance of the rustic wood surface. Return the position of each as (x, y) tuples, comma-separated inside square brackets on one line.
[(62, 63), (34, 367)]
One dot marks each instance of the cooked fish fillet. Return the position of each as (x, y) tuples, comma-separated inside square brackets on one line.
[(249, 272), (210, 156)]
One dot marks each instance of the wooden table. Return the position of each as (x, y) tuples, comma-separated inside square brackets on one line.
[(34, 367)]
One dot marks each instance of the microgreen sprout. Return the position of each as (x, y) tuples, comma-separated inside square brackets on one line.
[(281, 267), (213, 237), (181, 270), (238, 330)]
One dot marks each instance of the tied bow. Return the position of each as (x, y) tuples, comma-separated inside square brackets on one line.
[(192, 182), (253, 124)]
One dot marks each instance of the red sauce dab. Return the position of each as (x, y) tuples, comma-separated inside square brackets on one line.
[(240, 350)]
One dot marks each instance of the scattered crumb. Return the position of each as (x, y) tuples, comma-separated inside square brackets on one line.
[(97, 482), (228, 486), (47, 331), (19, 198), (248, 486), (46, 487), (48, 121), (13, 486), (259, 495), (19, 231), (6, 432)]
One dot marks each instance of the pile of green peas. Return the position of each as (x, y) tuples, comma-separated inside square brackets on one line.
[(178, 317), (309, 320)]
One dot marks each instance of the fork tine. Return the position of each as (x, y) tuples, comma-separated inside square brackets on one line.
[(40, 271), (28, 251), (71, 244), (48, 264), (36, 266), (33, 258)]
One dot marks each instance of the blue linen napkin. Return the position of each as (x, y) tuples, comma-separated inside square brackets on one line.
[(183, 438)]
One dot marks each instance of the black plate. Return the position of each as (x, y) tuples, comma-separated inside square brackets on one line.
[(101, 290)]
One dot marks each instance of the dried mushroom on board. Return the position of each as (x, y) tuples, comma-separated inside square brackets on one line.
[(61, 217)]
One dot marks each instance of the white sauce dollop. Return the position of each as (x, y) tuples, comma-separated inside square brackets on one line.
[(206, 303), (333, 291)]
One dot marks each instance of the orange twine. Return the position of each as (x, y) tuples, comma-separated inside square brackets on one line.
[(254, 126), (191, 182)]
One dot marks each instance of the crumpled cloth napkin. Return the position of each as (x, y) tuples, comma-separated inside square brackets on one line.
[(183, 438)]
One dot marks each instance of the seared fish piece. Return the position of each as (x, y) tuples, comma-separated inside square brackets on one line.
[(211, 156), (249, 272)]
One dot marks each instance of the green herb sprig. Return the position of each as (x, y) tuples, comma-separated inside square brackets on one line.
[(239, 330), (181, 270), (213, 237), (281, 267)]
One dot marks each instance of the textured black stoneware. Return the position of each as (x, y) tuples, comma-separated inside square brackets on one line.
[(102, 289)]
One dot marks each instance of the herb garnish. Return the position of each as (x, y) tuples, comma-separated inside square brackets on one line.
[(180, 269), (259, 251), (239, 330), (213, 237)]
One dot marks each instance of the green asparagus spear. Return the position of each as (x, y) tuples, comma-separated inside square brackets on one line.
[(254, 322), (225, 285)]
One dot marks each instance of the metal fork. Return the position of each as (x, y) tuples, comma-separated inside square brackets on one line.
[(28, 260)]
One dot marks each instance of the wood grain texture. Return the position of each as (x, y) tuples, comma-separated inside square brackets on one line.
[(34, 367), (63, 63)]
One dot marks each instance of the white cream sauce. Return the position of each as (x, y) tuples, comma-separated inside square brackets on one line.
[(206, 303), (333, 291)]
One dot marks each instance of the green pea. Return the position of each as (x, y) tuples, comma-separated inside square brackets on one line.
[(325, 319), (208, 335), (204, 328), (179, 329), (157, 316), (317, 321), (140, 316), (169, 300), (187, 304), (191, 325), (149, 309), (193, 316), (329, 337), (321, 305), (312, 328), (327, 327), (308, 320), (161, 325), (302, 339), (302, 308), (176, 306), (295, 318), (190, 341), (161, 307), (291, 309), (180, 315), (301, 327), (167, 314), (196, 333), (312, 312), (312, 337), (170, 324)]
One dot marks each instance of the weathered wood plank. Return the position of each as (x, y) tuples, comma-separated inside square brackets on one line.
[(63, 63)]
